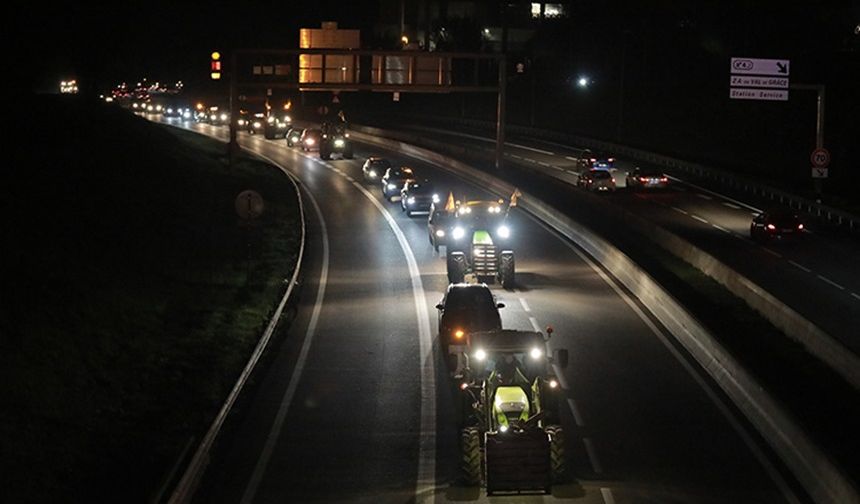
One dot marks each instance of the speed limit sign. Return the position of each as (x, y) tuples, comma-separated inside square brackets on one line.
[(820, 158)]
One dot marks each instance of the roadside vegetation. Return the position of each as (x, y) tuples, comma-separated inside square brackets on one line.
[(132, 296)]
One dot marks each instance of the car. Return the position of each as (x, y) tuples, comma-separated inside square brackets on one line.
[(596, 180), (217, 117), (276, 126), (393, 180), (589, 159), (647, 178), (310, 139), (776, 224), (256, 123), (294, 136), (374, 168), (417, 196), (439, 223), (466, 308)]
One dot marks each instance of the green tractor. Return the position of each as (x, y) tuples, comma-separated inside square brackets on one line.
[(480, 244), (511, 439), (335, 140)]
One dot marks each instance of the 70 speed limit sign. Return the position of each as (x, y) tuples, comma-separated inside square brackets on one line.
[(820, 158)]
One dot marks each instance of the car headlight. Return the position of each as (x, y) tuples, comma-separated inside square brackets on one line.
[(270, 120), (257, 124), (458, 233), (440, 233), (467, 210), (223, 117), (371, 174), (503, 232), (170, 111), (338, 142), (536, 353), (436, 198), (392, 186), (411, 200), (187, 115), (309, 141), (480, 355), (241, 122)]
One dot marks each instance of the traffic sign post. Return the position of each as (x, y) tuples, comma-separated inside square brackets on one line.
[(820, 158)]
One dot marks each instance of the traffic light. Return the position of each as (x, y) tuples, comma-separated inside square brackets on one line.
[(215, 66)]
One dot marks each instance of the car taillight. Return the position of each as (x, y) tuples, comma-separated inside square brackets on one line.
[(800, 226), (643, 179), (664, 179), (611, 160), (771, 227)]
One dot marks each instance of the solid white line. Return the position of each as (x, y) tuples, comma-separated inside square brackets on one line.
[(608, 498), (721, 228), (526, 147), (577, 415), (535, 324), (831, 282), (681, 210), (592, 455), (280, 417), (525, 305), (699, 219), (731, 205), (804, 268), (426, 480), (727, 414), (704, 196)]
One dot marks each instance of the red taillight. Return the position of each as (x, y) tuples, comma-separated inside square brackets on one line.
[(611, 160), (800, 226), (664, 179), (771, 227), (643, 179)]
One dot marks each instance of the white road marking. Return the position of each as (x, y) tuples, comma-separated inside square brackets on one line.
[(592, 455), (559, 168), (516, 156), (535, 324), (771, 252), (577, 415), (804, 268), (731, 205), (525, 305), (571, 158), (681, 210), (543, 163), (721, 196), (426, 481), (608, 498), (699, 219), (704, 196), (280, 417), (855, 295), (721, 228), (526, 147), (774, 474), (831, 282)]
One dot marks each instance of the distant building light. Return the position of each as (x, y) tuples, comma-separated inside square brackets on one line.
[(535, 10), (553, 10)]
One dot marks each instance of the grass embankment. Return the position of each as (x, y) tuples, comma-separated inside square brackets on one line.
[(129, 306)]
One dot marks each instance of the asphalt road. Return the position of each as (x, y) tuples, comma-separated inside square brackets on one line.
[(817, 276), (348, 411)]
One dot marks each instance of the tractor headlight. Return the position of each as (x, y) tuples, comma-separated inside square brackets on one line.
[(503, 428), (480, 355), (440, 233), (257, 125), (536, 353), (288, 119), (241, 122), (371, 173), (223, 117), (553, 383), (436, 198), (270, 120), (458, 233), (338, 142), (170, 111), (411, 200), (504, 232), (392, 186), (309, 141)]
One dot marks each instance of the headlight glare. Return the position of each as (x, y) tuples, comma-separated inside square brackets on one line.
[(458, 233), (504, 231), (536, 353), (480, 355)]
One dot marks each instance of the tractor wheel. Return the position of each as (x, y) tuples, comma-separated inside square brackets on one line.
[(470, 444), (456, 267), (507, 270), (556, 452)]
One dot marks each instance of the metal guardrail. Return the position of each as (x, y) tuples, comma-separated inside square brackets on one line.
[(184, 490), (724, 178), (820, 477)]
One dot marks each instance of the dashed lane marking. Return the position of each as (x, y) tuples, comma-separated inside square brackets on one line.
[(731, 205), (699, 219), (592, 455), (608, 498), (831, 282), (721, 228), (525, 305), (680, 210), (577, 415), (571, 158), (535, 324), (771, 252), (704, 196), (855, 295), (804, 268)]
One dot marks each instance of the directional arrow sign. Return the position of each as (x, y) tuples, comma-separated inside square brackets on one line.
[(819, 172), (757, 66)]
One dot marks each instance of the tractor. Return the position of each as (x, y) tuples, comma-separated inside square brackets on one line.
[(480, 244)]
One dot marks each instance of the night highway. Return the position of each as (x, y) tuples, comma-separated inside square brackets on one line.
[(356, 348)]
